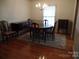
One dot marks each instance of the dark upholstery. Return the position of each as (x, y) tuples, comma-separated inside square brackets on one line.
[(21, 27), (18, 27)]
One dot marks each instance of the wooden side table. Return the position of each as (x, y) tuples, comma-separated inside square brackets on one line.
[(63, 26)]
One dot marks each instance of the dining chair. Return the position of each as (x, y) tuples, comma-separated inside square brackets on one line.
[(6, 33), (35, 31), (51, 32)]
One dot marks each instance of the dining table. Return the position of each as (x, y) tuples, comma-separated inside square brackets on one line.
[(44, 26)]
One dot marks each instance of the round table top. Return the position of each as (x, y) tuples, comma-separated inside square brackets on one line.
[(45, 25)]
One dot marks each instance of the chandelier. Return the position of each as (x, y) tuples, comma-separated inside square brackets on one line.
[(41, 5)]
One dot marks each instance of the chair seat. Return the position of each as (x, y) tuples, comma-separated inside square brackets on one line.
[(8, 33)]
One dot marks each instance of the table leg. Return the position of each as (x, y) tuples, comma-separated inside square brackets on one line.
[(30, 33), (45, 36)]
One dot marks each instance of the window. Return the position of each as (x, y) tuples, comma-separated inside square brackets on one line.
[(49, 14)]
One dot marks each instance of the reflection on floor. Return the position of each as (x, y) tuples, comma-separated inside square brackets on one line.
[(20, 49)]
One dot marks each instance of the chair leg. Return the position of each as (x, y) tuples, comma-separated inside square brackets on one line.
[(33, 36), (3, 38), (45, 37), (53, 36)]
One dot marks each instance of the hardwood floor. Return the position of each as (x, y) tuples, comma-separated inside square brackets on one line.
[(19, 49)]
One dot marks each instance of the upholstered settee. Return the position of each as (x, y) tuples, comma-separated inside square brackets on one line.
[(21, 27)]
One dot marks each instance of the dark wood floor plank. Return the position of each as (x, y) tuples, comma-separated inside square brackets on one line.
[(20, 49)]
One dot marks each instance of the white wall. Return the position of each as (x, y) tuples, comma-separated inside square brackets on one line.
[(64, 9), (14, 10), (20, 10)]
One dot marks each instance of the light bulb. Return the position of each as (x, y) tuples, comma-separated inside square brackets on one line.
[(39, 4), (36, 5), (45, 5)]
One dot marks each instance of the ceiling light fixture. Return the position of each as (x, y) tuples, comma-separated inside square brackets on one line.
[(41, 5)]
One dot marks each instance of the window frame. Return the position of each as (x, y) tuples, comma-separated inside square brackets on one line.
[(51, 16)]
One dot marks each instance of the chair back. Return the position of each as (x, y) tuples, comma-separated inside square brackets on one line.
[(4, 26), (29, 22), (35, 25), (52, 29), (54, 26)]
